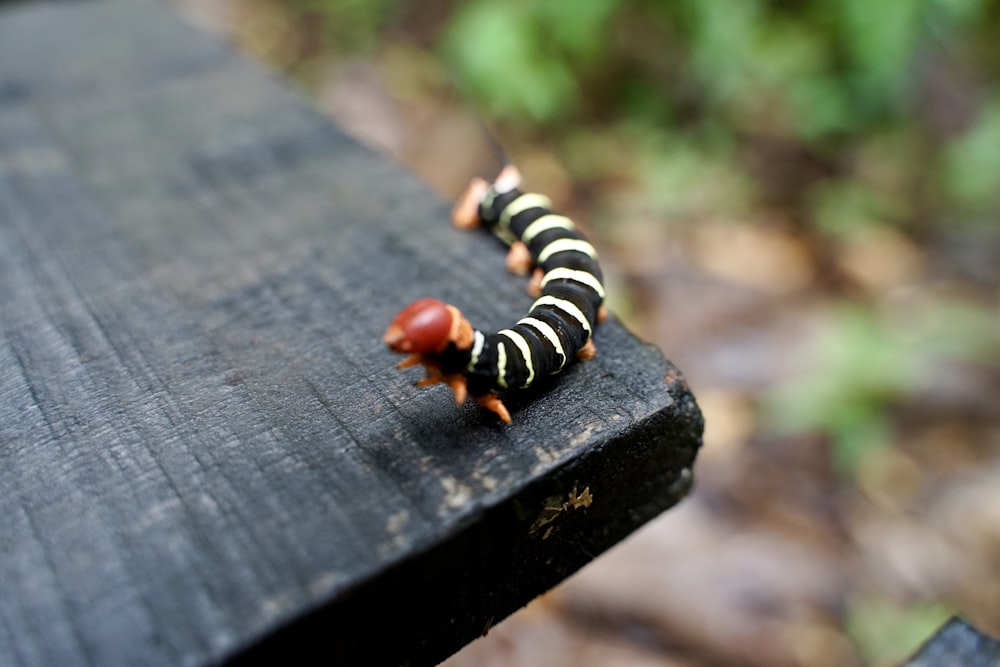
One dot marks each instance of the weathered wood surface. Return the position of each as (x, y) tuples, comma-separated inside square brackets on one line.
[(957, 644), (205, 452)]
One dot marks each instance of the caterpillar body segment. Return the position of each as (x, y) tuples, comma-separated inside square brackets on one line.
[(567, 283)]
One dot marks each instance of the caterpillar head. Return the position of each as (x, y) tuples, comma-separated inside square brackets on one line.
[(427, 326)]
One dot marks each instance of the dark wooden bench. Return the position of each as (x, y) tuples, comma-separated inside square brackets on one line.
[(206, 453)]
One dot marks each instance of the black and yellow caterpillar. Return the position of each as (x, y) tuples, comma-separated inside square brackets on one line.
[(559, 326)]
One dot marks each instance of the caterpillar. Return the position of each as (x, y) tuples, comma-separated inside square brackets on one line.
[(567, 284)]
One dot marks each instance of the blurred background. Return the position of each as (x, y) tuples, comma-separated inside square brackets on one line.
[(799, 203)]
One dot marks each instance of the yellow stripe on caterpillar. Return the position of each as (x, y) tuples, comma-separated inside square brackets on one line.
[(477, 349), (583, 277), (501, 365), (523, 203), (566, 245), (549, 334), (567, 307), (544, 224), (522, 345)]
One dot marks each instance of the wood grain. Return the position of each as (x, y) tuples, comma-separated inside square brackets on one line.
[(205, 452)]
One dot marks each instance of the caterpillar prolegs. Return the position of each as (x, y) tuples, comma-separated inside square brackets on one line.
[(567, 284)]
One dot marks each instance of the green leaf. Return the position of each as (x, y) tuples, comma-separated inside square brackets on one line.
[(861, 367), (500, 58), (885, 632), (351, 25), (971, 164), (880, 40), (577, 27)]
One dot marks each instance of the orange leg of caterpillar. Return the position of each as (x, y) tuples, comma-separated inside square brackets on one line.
[(518, 259), (455, 381), (457, 384), (508, 179), (465, 214), (588, 351), (602, 313), (411, 360), (535, 284), (431, 380), (493, 403)]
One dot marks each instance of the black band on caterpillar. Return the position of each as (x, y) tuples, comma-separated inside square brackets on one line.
[(558, 327)]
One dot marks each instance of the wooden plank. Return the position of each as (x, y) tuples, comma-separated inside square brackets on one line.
[(205, 451)]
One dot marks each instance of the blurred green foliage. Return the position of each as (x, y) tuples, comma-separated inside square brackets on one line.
[(970, 168), (861, 369), (821, 77), (884, 631), (817, 79), (524, 60), (863, 366), (349, 25)]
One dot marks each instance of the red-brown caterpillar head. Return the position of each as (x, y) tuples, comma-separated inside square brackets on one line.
[(426, 326)]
